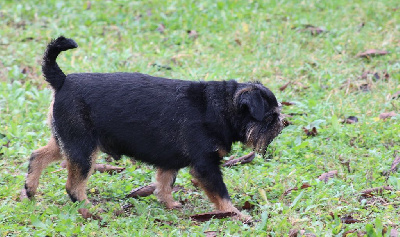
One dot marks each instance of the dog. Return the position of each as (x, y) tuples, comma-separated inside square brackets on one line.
[(167, 123)]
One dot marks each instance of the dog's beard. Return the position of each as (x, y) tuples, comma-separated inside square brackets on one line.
[(260, 134)]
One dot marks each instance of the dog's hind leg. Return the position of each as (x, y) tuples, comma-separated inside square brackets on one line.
[(79, 167), (165, 182), (39, 160), (210, 180)]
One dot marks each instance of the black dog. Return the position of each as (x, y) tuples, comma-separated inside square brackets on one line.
[(168, 123)]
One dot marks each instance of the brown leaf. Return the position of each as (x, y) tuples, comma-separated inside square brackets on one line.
[(247, 206), (351, 120), (163, 222), (241, 160), (371, 53), (210, 215), (396, 95), (87, 215), (395, 163), (102, 168), (375, 75), (161, 28), (193, 34), (326, 176), (287, 103), (365, 87), (142, 191), (238, 42), (349, 220), (312, 29), (387, 115), (370, 192), (313, 132), (303, 186), (211, 233), (282, 88)]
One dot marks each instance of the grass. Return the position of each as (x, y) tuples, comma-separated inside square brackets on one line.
[(242, 40)]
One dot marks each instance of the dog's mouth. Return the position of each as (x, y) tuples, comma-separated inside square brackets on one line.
[(260, 134)]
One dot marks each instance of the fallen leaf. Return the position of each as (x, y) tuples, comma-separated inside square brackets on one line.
[(370, 192), (312, 29), (375, 75), (372, 52), (161, 28), (349, 220), (210, 215), (303, 186), (247, 206), (396, 95), (211, 233), (351, 120), (238, 42), (87, 215), (287, 103), (142, 191), (365, 87), (326, 176), (193, 34), (163, 222), (395, 163), (282, 88), (241, 160), (313, 132), (387, 115), (102, 168)]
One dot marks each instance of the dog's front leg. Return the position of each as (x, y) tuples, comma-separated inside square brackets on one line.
[(165, 182), (210, 180)]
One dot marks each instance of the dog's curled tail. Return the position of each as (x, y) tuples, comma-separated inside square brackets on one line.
[(51, 71)]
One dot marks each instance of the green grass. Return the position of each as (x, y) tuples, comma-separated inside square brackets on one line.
[(243, 40)]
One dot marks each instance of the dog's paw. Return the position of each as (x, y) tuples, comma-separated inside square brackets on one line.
[(173, 205), (246, 219)]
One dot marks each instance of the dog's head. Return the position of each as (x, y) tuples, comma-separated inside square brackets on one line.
[(260, 120)]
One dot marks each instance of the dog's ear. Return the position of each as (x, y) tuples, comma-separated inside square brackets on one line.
[(254, 103)]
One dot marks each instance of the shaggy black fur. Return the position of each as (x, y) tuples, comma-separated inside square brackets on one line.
[(168, 123)]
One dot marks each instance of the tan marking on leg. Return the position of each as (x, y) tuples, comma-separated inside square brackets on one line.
[(40, 159), (76, 183), (165, 180), (221, 204), (221, 152)]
